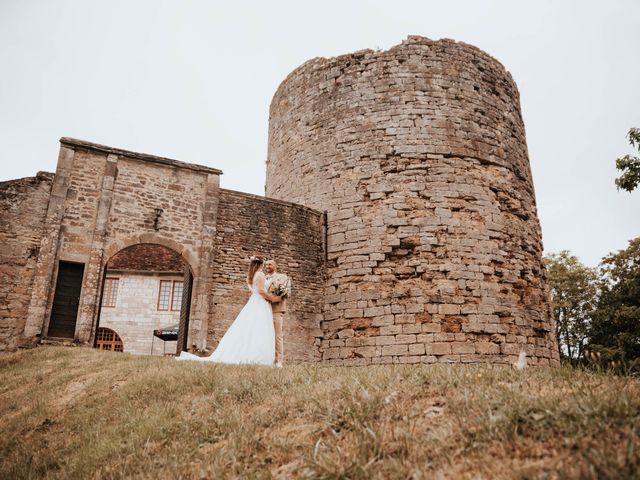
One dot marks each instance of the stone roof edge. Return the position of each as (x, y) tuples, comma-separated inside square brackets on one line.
[(74, 142), (41, 175), (359, 54), (272, 200)]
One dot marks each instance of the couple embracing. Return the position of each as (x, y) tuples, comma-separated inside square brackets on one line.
[(255, 336)]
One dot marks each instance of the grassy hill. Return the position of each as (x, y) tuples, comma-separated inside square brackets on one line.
[(81, 413)]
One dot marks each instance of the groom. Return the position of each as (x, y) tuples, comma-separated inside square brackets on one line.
[(279, 309)]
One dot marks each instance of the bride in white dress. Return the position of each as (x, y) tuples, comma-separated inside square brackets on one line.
[(251, 336)]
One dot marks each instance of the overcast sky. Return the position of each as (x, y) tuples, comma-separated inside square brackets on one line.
[(192, 80)]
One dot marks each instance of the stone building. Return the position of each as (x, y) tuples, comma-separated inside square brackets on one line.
[(142, 292), (399, 199), (62, 230)]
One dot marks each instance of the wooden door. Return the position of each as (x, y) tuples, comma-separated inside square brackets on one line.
[(183, 327), (66, 300)]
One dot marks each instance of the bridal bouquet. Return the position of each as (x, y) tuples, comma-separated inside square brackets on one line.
[(280, 285)]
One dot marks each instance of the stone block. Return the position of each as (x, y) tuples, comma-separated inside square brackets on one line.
[(462, 347), (391, 330), (438, 348), (349, 332), (411, 328), (449, 309), (487, 348), (383, 321), (405, 339), (395, 350), (353, 313), (431, 328), (373, 312), (385, 340), (409, 318)]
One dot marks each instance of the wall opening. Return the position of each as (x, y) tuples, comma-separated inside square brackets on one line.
[(64, 313), (146, 287)]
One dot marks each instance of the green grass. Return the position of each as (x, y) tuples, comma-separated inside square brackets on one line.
[(81, 413)]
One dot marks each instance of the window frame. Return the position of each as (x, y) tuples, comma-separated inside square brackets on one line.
[(168, 309), (173, 291), (108, 337), (107, 292)]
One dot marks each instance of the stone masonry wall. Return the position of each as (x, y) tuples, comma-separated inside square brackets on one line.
[(23, 205), (419, 156), (101, 205), (104, 200), (290, 234)]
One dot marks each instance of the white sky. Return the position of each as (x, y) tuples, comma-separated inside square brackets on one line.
[(192, 80)]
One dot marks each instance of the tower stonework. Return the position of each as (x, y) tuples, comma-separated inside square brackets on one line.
[(418, 156), (430, 249)]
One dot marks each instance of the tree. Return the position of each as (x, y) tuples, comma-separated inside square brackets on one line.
[(629, 165), (574, 292), (616, 321)]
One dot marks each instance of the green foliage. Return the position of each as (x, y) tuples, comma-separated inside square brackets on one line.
[(573, 290), (615, 329), (629, 165), (597, 312)]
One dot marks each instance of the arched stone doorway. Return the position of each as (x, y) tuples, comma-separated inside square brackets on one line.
[(145, 287)]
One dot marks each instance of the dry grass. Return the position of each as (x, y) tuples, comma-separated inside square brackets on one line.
[(81, 413)]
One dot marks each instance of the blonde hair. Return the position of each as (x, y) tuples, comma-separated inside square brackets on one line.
[(256, 262)]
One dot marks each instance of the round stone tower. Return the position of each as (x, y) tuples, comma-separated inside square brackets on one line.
[(418, 155)]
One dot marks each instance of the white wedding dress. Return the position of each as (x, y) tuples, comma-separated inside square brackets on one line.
[(251, 336)]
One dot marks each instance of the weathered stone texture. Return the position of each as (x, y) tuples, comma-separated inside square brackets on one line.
[(100, 210), (23, 206), (290, 234), (418, 154), (102, 201), (139, 190), (432, 249)]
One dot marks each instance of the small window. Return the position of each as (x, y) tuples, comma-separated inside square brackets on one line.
[(164, 295), (176, 297), (107, 339), (170, 295), (110, 292)]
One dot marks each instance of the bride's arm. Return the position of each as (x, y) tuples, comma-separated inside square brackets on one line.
[(260, 284)]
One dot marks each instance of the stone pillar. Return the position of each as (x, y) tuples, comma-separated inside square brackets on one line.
[(88, 309), (43, 278), (203, 283)]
